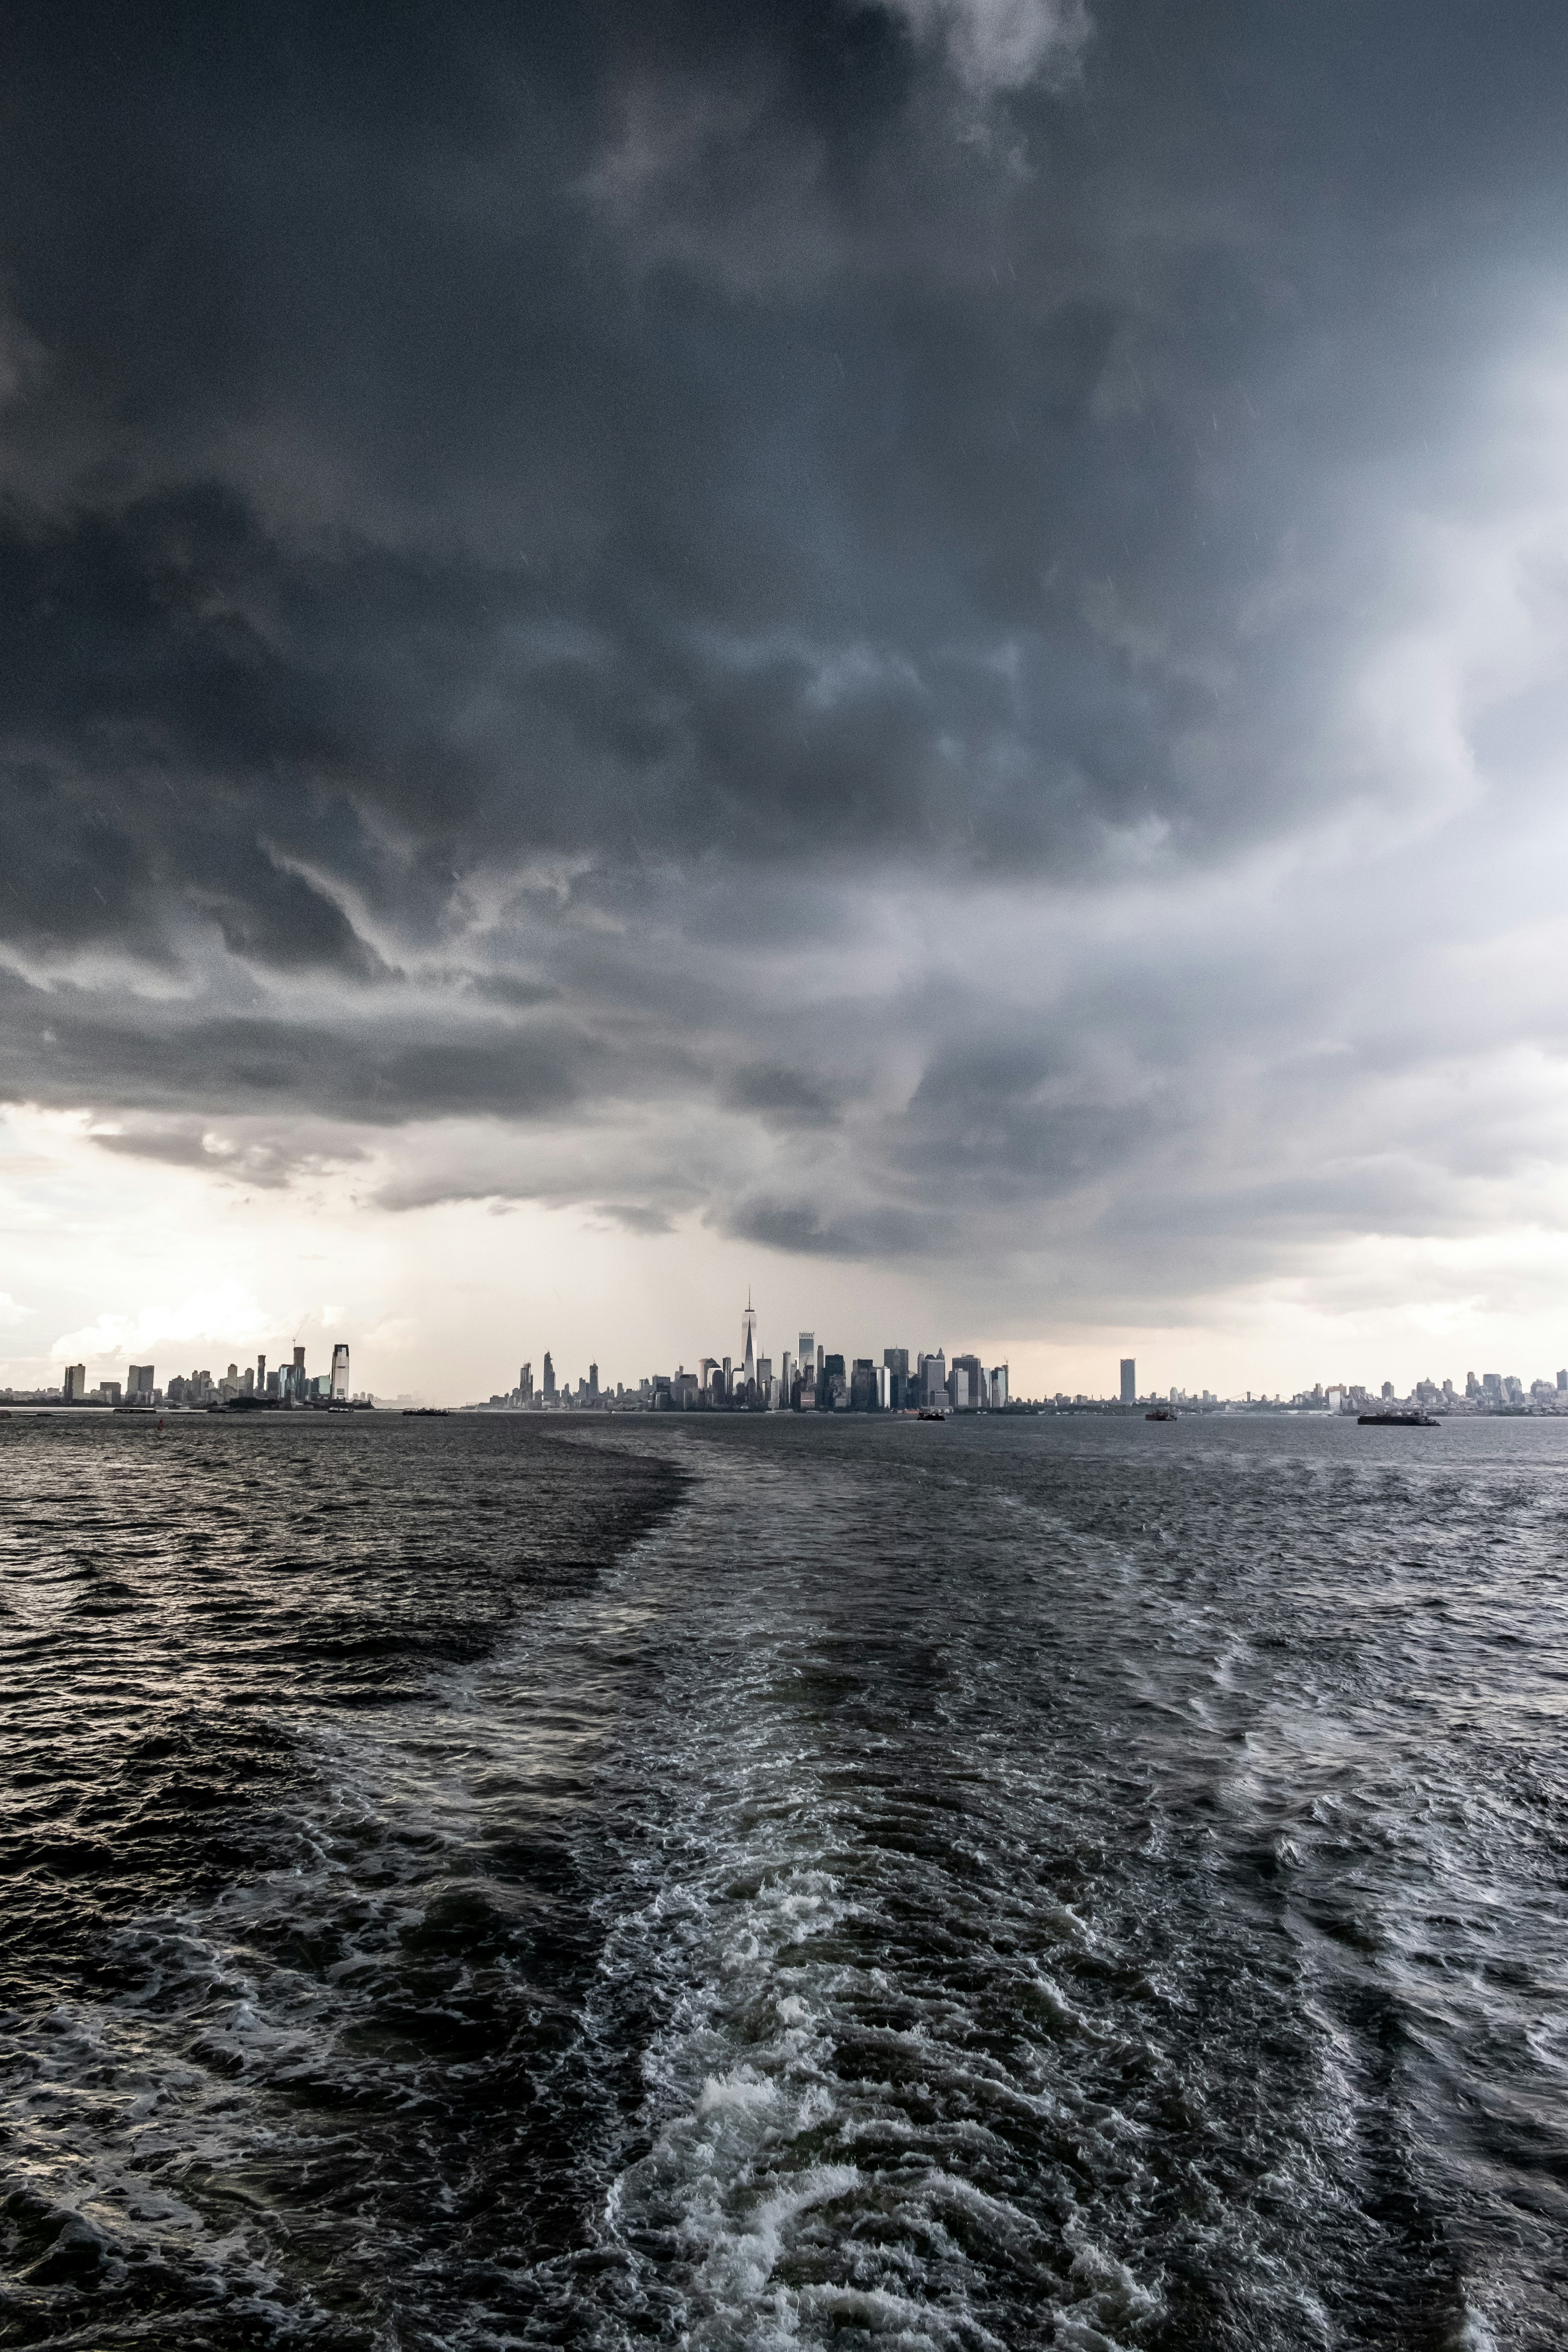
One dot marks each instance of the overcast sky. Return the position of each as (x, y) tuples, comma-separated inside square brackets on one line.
[(914, 653)]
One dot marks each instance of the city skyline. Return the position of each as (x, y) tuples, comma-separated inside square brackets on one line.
[(906, 1379), (276, 1382), (811, 1377)]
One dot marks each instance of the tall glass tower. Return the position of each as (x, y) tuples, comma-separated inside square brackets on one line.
[(749, 1341), (341, 1370)]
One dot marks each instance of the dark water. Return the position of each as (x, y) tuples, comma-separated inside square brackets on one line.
[(998, 1884)]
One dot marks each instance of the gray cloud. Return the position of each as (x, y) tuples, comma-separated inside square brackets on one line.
[(635, 1219), (784, 1097), (63, 1046), (995, 45), (820, 1229), (552, 573), (255, 1161)]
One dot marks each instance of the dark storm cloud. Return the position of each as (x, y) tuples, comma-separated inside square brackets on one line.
[(1025, 1118), (786, 1097), (510, 517), (68, 1046), (819, 1230)]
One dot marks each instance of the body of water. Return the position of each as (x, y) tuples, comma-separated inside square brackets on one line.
[(479, 1883)]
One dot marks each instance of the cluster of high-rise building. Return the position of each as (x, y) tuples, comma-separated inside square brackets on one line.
[(1488, 1393), (808, 1378), (280, 1384)]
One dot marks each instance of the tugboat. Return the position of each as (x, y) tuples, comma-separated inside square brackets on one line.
[(1396, 1421), (1162, 1412)]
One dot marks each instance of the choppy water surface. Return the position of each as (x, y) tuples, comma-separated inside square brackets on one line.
[(741, 1884)]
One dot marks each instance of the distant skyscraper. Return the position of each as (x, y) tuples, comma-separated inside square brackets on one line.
[(748, 1341), (808, 1351), (593, 1379), (1128, 1379), (261, 1376), (340, 1387), (75, 1387), (525, 1385), (139, 1381), (548, 1375)]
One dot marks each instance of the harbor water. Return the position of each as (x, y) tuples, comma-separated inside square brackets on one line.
[(730, 1882)]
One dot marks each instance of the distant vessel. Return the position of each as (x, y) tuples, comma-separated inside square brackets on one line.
[(1162, 1412), (930, 1412), (1396, 1421), (425, 1412)]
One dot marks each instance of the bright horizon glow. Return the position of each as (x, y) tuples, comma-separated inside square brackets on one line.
[(260, 1272)]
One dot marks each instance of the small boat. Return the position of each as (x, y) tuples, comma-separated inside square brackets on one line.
[(930, 1412), (1396, 1421), (1162, 1412), (425, 1412)]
